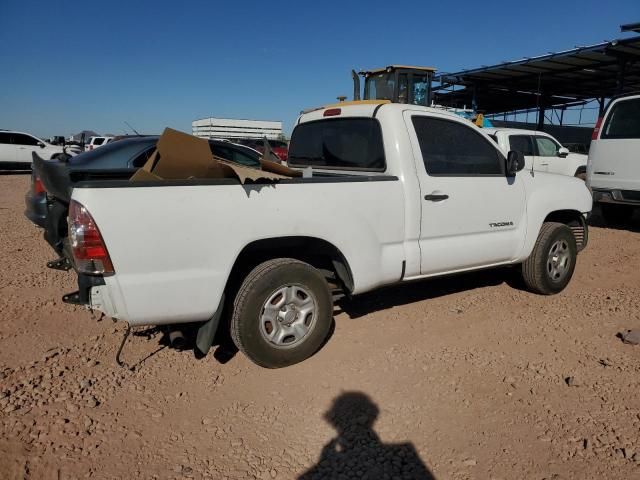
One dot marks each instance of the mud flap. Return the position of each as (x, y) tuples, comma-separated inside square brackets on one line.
[(207, 331)]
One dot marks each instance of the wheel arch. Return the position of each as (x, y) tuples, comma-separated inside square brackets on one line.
[(315, 251), (575, 221)]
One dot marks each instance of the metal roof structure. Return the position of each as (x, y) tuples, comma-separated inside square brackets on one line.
[(554, 80), (394, 67)]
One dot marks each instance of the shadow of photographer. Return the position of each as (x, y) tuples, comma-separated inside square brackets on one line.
[(358, 452)]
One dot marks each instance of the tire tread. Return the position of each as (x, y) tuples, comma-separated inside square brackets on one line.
[(245, 290), (532, 273)]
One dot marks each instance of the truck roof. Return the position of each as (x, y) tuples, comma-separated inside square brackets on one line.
[(516, 131), (364, 108)]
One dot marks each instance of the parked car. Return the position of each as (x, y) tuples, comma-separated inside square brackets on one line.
[(16, 149), (541, 151), (613, 171), (279, 147), (95, 142), (397, 193), (125, 156)]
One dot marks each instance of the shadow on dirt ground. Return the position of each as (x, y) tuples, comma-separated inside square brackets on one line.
[(419, 290), (358, 452), (631, 225), (224, 349)]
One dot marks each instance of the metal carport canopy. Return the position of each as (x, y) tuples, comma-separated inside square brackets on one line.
[(553, 80)]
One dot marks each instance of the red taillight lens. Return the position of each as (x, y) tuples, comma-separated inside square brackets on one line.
[(596, 129), (332, 112), (89, 251), (38, 186)]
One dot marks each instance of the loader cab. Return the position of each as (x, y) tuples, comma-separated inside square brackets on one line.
[(396, 83)]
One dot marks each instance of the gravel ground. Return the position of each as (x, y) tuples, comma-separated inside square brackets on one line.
[(464, 377)]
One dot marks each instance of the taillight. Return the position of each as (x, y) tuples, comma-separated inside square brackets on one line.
[(89, 250), (38, 186), (596, 129)]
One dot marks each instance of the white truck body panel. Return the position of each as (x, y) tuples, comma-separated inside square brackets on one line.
[(614, 163), (173, 247)]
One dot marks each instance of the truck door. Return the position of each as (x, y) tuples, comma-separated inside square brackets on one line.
[(472, 213), (547, 156)]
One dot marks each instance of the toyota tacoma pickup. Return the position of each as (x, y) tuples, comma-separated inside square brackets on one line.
[(390, 194)]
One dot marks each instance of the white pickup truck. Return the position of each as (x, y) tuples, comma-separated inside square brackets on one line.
[(398, 193), (542, 152)]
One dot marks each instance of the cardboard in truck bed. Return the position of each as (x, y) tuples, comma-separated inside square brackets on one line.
[(182, 156)]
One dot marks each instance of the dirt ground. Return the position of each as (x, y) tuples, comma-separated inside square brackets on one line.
[(459, 378)]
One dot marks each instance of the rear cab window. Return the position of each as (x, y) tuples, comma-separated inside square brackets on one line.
[(623, 121), (338, 144), (98, 141)]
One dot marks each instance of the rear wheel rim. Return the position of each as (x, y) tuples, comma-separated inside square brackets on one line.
[(559, 260), (288, 316)]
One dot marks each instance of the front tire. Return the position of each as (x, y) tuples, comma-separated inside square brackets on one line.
[(282, 313), (550, 266)]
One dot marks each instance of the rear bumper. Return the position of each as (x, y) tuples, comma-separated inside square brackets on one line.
[(617, 196)]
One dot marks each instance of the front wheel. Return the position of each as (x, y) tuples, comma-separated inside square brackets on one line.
[(550, 266), (282, 313)]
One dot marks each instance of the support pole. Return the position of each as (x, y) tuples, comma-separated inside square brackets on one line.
[(622, 68), (541, 112)]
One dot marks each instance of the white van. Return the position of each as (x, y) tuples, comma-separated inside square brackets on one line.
[(613, 168)]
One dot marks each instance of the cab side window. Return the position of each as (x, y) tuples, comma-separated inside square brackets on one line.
[(521, 143), (451, 148), (547, 147), (21, 139)]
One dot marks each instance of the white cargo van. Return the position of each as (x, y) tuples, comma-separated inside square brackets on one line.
[(613, 168)]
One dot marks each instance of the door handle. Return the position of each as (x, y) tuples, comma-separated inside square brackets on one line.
[(436, 197)]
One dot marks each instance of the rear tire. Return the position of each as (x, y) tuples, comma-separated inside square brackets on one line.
[(550, 266), (615, 214), (282, 313)]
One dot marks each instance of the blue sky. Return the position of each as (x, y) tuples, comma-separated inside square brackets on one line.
[(67, 66)]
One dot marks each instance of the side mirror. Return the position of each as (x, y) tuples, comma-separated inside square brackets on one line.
[(41, 145), (514, 162), (563, 152)]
